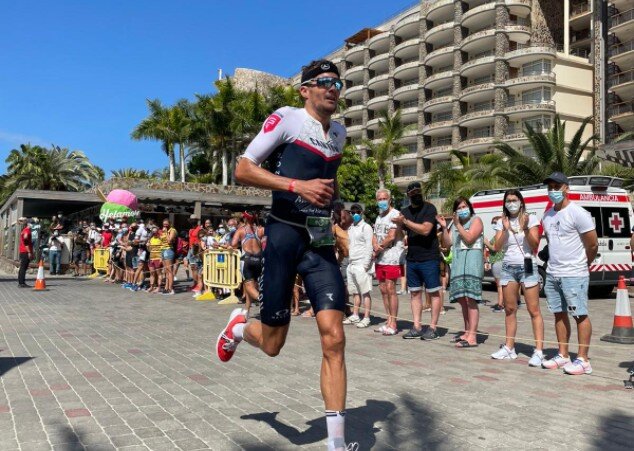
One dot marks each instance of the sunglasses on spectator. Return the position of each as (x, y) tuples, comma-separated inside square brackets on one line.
[(325, 82)]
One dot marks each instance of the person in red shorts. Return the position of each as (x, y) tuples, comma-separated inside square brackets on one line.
[(388, 247)]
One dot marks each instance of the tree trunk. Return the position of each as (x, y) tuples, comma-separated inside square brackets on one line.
[(172, 164), (181, 151), (381, 177), (225, 168)]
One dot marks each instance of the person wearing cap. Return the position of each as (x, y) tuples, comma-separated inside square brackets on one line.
[(25, 250), (572, 247), (418, 220), (305, 148), (248, 238)]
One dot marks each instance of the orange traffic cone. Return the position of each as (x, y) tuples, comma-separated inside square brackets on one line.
[(623, 329), (40, 283)]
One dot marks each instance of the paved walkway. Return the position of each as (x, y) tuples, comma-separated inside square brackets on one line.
[(87, 365)]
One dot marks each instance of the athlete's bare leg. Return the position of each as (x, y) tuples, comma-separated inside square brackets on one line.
[(333, 365)]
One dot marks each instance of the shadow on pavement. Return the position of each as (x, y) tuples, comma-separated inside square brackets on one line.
[(410, 423), (72, 441), (8, 363), (616, 430)]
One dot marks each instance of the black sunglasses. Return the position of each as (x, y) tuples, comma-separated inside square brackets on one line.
[(325, 82)]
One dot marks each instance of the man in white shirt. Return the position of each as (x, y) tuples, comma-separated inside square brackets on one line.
[(572, 247), (360, 261), (388, 246)]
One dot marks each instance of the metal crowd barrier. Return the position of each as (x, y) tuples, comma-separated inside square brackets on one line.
[(221, 269), (101, 257)]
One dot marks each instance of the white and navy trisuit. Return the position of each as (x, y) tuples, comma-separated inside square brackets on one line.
[(295, 146)]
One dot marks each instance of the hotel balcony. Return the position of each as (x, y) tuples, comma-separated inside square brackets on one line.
[(437, 152), (517, 109), (373, 124), (438, 128), (406, 158), (379, 102), (519, 32), (477, 145), (407, 49), (408, 26), (475, 93), (623, 54), (477, 118), (354, 131), (379, 82), (379, 43), (622, 24), (439, 79), (441, 32), (580, 15), (354, 110), (355, 74), (437, 104), (622, 114), (403, 181), (622, 84), (440, 57), (379, 63), (520, 8), (356, 54), (440, 10), (480, 14), (522, 83), (407, 91), (477, 65), (407, 69), (479, 41), (525, 54), (354, 92)]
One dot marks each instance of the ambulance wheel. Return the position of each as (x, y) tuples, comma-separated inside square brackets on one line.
[(600, 291), (542, 281)]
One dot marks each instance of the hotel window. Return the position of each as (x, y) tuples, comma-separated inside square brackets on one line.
[(536, 67)]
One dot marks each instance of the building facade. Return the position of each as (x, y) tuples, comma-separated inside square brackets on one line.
[(465, 73)]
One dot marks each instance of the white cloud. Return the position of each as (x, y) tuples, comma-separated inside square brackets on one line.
[(15, 139)]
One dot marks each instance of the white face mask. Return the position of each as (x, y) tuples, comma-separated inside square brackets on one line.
[(513, 207)]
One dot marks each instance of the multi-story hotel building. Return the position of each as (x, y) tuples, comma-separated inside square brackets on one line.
[(465, 73), (617, 64)]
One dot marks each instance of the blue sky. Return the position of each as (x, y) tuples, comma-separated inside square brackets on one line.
[(77, 73)]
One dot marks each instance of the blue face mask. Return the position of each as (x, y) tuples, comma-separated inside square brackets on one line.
[(556, 196), (356, 217), (383, 205), (463, 213)]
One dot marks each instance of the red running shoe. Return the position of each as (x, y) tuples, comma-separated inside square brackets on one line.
[(226, 345)]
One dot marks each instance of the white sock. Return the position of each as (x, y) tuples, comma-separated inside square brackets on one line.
[(335, 422), (238, 331)]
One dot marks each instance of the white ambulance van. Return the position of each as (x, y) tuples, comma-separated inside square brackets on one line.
[(610, 208)]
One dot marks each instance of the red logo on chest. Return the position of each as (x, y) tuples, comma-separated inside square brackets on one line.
[(271, 122)]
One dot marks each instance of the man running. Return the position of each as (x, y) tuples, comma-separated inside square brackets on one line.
[(305, 148), (249, 239)]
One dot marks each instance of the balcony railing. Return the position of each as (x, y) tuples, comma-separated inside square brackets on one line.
[(619, 79), (579, 9), (620, 18), (442, 141), (412, 81), (622, 48), (520, 102), (580, 36), (621, 108), (442, 117)]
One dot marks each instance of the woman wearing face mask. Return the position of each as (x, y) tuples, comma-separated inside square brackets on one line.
[(467, 269), (517, 234)]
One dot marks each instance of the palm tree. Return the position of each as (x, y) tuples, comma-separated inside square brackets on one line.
[(466, 177), (391, 129), (157, 126), (131, 173), (58, 169), (279, 96), (552, 154), (180, 120)]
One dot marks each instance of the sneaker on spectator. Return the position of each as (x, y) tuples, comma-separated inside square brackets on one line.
[(504, 353), (443, 311), (537, 358), (556, 362), (352, 319), (400, 292), (381, 329), (429, 334), (365, 322), (577, 367), (413, 334), (389, 331)]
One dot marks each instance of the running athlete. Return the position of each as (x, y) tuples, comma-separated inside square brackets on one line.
[(249, 238), (304, 147)]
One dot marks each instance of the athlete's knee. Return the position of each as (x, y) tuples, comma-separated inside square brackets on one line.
[(333, 343)]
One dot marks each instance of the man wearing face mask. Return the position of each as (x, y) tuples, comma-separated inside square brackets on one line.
[(423, 260), (572, 247), (192, 260), (388, 247), (360, 260), (55, 244)]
